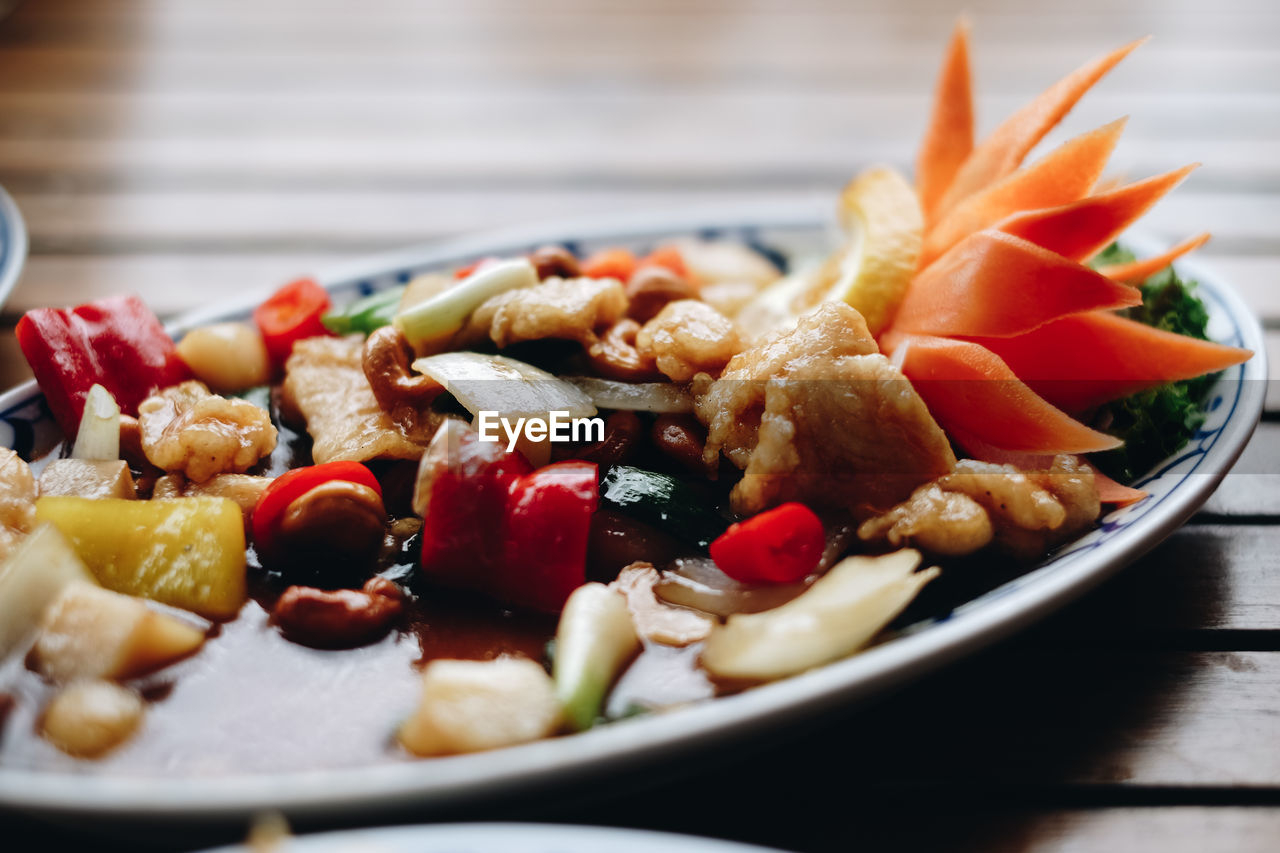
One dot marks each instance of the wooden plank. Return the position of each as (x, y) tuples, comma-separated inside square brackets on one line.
[(737, 106), (1135, 830), (245, 219), (1252, 489), (925, 820), (170, 283), (13, 368), (819, 54), (999, 22), (1204, 577), (1205, 582), (665, 152), (1037, 720)]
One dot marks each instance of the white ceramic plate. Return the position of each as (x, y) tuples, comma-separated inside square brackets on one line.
[(13, 245), (1177, 488), (507, 837)]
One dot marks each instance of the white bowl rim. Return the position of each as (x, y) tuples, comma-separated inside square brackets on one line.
[(13, 250)]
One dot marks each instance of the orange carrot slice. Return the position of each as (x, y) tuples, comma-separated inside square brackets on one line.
[(1109, 183), (1111, 492), (993, 284), (1139, 271), (949, 138), (1082, 361), (1062, 176), (1079, 231), (1003, 151), (976, 398)]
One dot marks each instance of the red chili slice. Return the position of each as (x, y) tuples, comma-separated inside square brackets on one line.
[(781, 545), (291, 313)]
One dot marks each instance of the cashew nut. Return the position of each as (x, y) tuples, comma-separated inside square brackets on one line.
[(651, 288), (555, 261), (335, 529), (403, 394), (615, 354)]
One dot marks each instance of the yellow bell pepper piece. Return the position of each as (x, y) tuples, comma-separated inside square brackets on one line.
[(186, 552)]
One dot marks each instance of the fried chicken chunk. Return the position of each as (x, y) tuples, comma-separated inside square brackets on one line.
[(325, 381), (689, 337), (185, 428), (816, 414), (17, 501), (1024, 513), (564, 308)]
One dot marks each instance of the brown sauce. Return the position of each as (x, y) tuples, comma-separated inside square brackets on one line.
[(251, 701)]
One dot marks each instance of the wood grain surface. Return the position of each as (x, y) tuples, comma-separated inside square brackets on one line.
[(189, 151)]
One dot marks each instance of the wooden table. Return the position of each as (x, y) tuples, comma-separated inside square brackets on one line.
[(188, 150)]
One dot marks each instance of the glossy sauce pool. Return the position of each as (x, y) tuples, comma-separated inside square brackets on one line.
[(251, 701)]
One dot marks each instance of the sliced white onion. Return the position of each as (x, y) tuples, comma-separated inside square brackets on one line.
[(499, 384), (659, 397), (33, 576), (698, 583), (839, 614), (443, 447), (99, 435)]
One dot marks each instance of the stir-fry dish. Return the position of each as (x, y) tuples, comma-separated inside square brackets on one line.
[(544, 492)]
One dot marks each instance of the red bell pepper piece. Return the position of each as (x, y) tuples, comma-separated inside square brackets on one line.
[(115, 342), (274, 501), (548, 522), (781, 545), (461, 528), (610, 263), (290, 314), (494, 525)]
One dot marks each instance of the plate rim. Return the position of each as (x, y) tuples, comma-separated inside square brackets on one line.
[(442, 782), (410, 836), (13, 251)]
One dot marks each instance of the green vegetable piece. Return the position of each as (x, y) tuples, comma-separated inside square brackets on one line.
[(1112, 255), (663, 501), (367, 314), (594, 641), (428, 325), (1158, 422)]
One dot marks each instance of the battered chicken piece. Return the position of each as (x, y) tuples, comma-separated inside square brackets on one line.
[(569, 309), (816, 414), (325, 381), (689, 337), (17, 501), (244, 489), (1023, 513), (731, 407), (949, 524), (185, 428), (1006, 492)]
